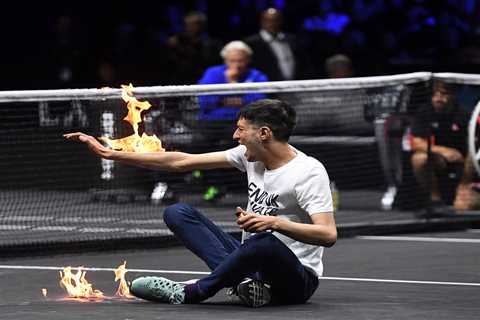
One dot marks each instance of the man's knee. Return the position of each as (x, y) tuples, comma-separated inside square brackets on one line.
[(174, 213), (419, 160), (263, 243)]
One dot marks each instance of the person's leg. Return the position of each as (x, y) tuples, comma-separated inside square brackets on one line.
[(425, 175), (467, 197), (263, 254), (199, 234), (266, 255)]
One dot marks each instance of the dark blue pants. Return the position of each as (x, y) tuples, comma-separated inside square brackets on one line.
[(263, 256)]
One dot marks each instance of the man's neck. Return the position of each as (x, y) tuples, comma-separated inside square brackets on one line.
[(277, 154), (268, 36)]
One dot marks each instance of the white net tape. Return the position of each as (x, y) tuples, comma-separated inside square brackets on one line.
[(195, 90), (458, 78)]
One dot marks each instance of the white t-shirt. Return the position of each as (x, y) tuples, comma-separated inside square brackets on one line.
[(295, 191)]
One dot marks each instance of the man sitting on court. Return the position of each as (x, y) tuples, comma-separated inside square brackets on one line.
[(286, 225)]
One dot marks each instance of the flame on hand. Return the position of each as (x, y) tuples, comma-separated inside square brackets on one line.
[(135, 142)]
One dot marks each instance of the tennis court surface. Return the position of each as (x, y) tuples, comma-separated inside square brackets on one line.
[(422, 276)]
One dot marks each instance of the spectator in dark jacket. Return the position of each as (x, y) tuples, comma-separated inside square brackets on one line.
[(192, 50), (277, 53)]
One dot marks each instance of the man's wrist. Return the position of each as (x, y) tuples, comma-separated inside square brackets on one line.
[(277, 223), (110, 154)]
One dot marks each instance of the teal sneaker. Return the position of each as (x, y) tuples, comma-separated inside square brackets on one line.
[(254, 293), (158, 289)]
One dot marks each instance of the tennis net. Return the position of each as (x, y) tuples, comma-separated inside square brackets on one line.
[(56, 194)]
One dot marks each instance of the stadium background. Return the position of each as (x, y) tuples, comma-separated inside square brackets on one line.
[(382, 37), (51, 188), (46, 199)]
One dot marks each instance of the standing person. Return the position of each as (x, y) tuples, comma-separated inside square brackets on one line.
[(64, 55), (289, 214), (277, 53), (192, 50), (442, 128)]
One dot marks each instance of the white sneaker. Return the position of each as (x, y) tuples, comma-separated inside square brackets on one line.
[(158, 192), (388, 198)]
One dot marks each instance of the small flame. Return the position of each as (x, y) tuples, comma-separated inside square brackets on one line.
[(44, 292), (77, 285), (122, 290), (135, 142)]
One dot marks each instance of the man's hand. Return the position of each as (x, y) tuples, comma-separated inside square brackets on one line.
[(232, 74), (92, 143), (239, 212), (232, 102), (252, 222), (452, 155)]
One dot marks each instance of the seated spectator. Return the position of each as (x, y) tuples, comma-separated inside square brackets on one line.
[(339, 66), (219, 112), (439, 141), (277, 53), (192, 50), (236, 69)]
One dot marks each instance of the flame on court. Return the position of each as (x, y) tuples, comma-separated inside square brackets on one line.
[(135, 142), (44, 292), (122, 290), (77, 286)]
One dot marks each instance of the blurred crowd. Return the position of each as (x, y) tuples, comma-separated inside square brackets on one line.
[(173, 42)]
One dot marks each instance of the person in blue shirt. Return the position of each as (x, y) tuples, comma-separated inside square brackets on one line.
[(237, 57), (218, 112)]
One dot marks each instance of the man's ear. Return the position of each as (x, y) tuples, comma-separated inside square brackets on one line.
[(265, 133)]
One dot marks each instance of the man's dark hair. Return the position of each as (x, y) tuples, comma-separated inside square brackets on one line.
[(450, 88), (279, 116), (196, 14)]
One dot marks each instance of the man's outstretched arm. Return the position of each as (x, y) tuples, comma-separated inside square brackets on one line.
[(166, 161)]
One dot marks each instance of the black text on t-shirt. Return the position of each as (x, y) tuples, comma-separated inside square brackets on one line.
[(262, 202)]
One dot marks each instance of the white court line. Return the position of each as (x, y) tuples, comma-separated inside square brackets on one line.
[(447, 283), (424, 239), (100, 269)]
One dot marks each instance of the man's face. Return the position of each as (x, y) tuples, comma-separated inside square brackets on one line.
[(271, 21), (238, 60), (341, 72), (442, 100), (248, 135), (194, 25)]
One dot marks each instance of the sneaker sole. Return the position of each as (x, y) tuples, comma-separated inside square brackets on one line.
[(254, 293)]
